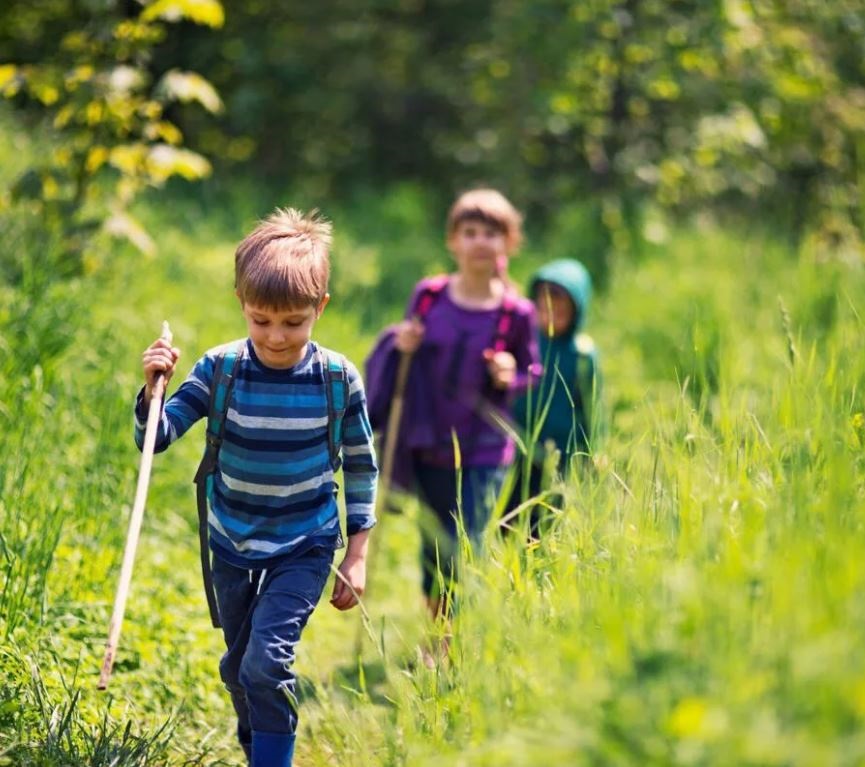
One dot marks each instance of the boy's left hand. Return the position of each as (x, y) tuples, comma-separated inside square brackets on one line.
[(353, 572), (502, 368)]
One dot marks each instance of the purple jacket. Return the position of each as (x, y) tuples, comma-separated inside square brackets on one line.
[(448, 387)]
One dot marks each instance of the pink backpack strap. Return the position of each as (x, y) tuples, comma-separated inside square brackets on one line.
[(505, 321), (431, 291)]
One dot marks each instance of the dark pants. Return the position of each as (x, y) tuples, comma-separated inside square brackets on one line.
[(539, 517), (438, 489), (522, 493), (263, 613)]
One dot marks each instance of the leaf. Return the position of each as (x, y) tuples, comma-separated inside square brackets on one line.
[(8, 79), (125, 79), (97, 156), (47, 93), (189, 86), (164, 130), (63, 116), (164, 161), (207, 12), (128, 158)]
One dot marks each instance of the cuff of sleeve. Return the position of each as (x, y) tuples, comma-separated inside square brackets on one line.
[(140, 410), (523, 381), (357, 524)]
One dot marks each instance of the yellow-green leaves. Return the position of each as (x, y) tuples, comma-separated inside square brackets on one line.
[(8, 80), (207, 12), (164, 161), (128, 158), (187, 87), (158, 162), (124, 79), (95, 90), (96, 158)]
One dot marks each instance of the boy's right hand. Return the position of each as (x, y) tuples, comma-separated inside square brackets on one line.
[(408, 335), (159, 357)]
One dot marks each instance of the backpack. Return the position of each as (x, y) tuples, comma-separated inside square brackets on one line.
[(337, 393), (380, 397)]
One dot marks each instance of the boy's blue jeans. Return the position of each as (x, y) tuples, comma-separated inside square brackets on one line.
[(263, 613)]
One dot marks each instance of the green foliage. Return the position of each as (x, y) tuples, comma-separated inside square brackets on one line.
[(95, 86), (385, 243), (697, 600), (604, 104), (71, 740), (685, 104)]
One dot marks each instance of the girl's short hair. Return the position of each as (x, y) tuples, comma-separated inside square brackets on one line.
[(284, 262), (490, 207)]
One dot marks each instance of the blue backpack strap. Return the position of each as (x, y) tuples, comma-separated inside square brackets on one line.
[(336, 380), (220, 397)]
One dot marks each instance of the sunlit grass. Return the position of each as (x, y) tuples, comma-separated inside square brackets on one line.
[(697, 601)]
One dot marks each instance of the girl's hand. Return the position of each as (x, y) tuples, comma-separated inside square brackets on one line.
[(159, 357), (502, 368), (408, 335), (350, 581)]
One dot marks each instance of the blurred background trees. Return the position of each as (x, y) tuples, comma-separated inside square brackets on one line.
[(583, 112)]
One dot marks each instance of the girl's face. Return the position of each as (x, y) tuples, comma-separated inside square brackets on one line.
[(279, 337), (478, 247), (555, 308)]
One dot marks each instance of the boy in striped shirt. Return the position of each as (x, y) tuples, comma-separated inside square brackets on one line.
[(272, 513)]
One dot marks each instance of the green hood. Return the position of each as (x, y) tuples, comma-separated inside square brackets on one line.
[(571, 275)]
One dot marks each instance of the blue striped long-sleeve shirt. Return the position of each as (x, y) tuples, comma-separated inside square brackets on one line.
[(274, 492)]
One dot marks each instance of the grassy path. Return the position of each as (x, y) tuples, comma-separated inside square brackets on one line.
[(699, 602)]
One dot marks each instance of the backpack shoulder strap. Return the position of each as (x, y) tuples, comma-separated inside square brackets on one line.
[(505, 321), (220, 396), (430, 293), (336, 379)]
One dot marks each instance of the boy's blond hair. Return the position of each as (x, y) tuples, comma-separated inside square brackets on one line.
[(491, 207), (284, 262)]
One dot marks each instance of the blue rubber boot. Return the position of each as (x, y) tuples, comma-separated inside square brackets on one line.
[(272, 749)]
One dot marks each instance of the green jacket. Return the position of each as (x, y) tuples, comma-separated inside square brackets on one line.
[(570, 384)]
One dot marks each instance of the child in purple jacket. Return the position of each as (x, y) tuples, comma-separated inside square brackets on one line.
[(472, 344)]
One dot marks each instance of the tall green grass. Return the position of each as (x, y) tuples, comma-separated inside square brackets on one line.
[(697, 601)]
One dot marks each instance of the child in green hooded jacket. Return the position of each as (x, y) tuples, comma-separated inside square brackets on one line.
[(562, 407)]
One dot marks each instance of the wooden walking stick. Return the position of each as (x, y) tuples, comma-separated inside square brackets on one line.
[(134, 521), (394, 421)]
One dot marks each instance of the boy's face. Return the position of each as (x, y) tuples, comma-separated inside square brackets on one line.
[(555, 309), (280, 336), (478, 247)]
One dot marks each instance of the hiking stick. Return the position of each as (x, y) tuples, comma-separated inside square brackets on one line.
[(393, 423), (391, 433), (134, 522)]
